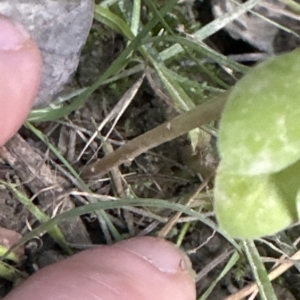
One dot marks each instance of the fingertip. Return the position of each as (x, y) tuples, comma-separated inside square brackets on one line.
[(12, 35), (129, 270), (20, 74)]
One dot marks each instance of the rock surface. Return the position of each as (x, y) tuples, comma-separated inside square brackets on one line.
[(60, 28), (258, 28)]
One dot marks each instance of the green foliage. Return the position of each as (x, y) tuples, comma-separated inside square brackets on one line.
[(257, 186), (258, 130), (251, 206)]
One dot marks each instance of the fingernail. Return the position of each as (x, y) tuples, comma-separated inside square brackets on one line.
[(12, 35), (160, 253)]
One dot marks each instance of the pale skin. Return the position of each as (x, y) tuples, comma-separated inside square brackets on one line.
[(144, 268)]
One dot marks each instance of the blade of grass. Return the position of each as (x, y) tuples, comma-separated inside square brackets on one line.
[(265, 287), (10, 273), (12, 256), (54, 231), (201, 67), (136, 15), (184, 230), (92, 207), (105, 16), (43, 138), (107, 3), (182, 101), (203, 49), (179, 96), (39, 114), (232, 261), (81, 184)]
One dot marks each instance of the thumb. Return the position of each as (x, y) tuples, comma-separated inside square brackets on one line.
[(20, 72), (143, 268)]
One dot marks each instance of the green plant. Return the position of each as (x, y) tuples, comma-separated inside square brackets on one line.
[(257, 188)]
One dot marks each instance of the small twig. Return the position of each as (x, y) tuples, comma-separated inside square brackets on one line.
[(207, 240), (116, 175), (117, 180), (213, 264)]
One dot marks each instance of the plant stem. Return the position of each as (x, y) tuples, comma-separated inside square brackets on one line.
[(200, 115)]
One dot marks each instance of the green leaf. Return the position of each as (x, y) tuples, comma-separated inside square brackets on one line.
[(260, 126), (288, 182), (251, 206)]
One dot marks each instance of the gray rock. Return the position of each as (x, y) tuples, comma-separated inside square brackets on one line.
[(257, 31), (60, 28), (249, 27)]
